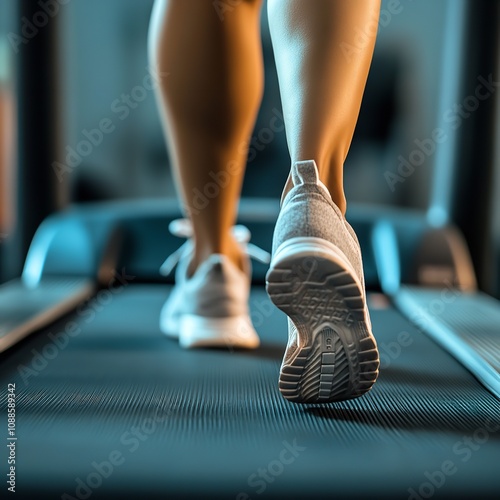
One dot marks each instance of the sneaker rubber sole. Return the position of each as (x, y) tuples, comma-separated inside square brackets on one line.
[(336, 356), (197, 331)]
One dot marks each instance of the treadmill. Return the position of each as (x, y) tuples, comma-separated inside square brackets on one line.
[(108, 407)]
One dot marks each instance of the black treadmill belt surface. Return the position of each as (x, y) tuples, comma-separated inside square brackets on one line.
[(120, 411)]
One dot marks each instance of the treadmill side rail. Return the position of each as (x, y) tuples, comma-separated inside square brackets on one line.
[(25, 309), (467, 325)]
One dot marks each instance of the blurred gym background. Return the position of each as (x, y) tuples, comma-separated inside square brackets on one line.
[(96, 73)]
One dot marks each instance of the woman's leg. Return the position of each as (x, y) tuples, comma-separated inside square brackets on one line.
[(209, 102), (323, 51)]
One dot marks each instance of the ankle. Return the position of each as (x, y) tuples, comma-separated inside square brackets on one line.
[(339, 199), (288, 187), (336, 192), (231, 249), (331, 174)]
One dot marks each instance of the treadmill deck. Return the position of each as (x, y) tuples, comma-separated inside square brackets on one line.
[(212, 424)]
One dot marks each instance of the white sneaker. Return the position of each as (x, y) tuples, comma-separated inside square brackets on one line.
[(210, 308), (316, 279)]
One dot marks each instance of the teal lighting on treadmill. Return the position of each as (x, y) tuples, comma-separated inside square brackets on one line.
[(4, 61), (437, 216), (62, 248), (35, 260), (385, 248), (445, 164)]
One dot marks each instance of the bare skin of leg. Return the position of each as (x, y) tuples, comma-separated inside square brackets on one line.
[(209, 103), (211, 97), (323, 50)]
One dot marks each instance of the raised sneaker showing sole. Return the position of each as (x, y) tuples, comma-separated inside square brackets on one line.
[(336, 356)]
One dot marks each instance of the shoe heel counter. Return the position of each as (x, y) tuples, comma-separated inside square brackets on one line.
[(306, 214), (223, 294)]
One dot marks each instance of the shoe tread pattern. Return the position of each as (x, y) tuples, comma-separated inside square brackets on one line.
[(337, 358)]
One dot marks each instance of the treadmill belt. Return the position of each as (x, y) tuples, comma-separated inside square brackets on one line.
[(120, 411)]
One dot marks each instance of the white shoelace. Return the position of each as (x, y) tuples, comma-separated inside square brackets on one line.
[(183, 229)]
